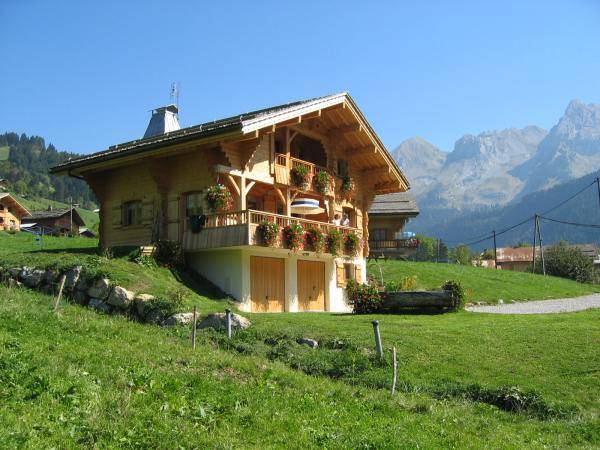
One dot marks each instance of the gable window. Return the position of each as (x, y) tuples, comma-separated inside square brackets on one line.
[(194, 204), (132, 213)]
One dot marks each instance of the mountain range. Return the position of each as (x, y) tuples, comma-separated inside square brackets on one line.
[(497, 169)]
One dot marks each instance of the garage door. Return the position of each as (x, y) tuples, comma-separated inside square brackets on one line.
[(311, 285), (267, 284)]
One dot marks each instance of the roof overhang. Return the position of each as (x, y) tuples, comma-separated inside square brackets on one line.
[(13, 204)]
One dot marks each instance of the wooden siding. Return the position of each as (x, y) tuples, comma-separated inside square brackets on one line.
[(267, 284), (311, 285), (7, 216)]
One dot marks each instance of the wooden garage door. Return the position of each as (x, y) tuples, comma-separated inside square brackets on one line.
[(267, 284), (311, 285)]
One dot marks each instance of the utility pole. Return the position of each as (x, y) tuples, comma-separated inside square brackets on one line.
[(437, 260), (598, 184), (534, 242), (541, 245), (495, 251), (71, 210)]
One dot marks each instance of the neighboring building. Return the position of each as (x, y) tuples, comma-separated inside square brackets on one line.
[(388, 215), (11, 212), (155, 188), (520, 259), (3, 184), (57, 221), (86, 232)]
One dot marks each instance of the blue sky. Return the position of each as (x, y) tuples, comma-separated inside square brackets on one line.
[(85, 74)]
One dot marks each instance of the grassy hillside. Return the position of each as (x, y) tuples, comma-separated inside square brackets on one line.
[(79, 380), (482, 284), (4, 152)]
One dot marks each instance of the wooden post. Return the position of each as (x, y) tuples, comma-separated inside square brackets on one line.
[(194, 330), (378, 347), (495, 251), (60, 291), (534, 243), (395, 366), (228, 322)]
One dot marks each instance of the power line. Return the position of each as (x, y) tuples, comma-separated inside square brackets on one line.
[(587, 225), (569, 199)]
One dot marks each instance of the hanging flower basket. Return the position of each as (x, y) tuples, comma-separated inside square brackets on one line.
[(219, 198), (301, 177), (352, 243), (348, 188), (335, 240), (315, 239), (323, 182), (269, 231), (293, 236)]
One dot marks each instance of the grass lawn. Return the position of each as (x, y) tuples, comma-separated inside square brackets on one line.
[(481, 284), (80, 380)]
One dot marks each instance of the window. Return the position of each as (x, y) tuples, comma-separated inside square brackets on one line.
[(378, 234), (132, 213), (348, 271), (342, 167), (194, 204)]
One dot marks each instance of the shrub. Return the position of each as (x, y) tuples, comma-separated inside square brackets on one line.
[(165, 307), (364, 298), (408, 283), (348, 187), (352, 242), (568, 262), (293, 236), (335, 239), (457, 293), (315, 239), (268, 232), (169, 254), (219, 198), (323, 182), (301, 176)]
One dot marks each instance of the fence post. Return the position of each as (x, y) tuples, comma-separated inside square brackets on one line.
[(395, 365), (60, 291), (377, 338), (194, 330), (228, 322)]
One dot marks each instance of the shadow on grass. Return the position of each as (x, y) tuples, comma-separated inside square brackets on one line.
[(80, 250), (200, 285)]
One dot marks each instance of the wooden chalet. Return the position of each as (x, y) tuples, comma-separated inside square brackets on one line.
[(155, 188), (57, 221), (388, 216), (11, 212)]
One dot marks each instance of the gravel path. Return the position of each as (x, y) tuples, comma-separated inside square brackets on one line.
[(542, 306)]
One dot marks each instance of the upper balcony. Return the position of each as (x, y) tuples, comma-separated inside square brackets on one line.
[(240, 228), (285, 166)]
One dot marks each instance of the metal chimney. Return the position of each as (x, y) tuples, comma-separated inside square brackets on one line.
[(163, 120)]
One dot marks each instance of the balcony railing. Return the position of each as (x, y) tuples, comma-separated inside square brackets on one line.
[(239, 228), (282, 173), (392, 244)]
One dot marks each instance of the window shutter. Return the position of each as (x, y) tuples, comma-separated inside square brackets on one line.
[(117, 216), (358, 273), (340, 275)]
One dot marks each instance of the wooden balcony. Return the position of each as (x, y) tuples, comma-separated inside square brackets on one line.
[(283, 169), (240, 228), (393, 244)]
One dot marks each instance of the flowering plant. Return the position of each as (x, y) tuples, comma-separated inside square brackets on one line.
[(348, 187), (301, 176), (269, 232), (219, 198), (315, 239), (323, 182), (293, 236), (335, 239), (353, 244)]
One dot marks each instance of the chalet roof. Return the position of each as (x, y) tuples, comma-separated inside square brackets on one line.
[(13, 205), (231, 126), (55, 213), (397, 203)]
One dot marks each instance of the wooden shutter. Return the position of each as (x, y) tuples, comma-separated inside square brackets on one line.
[(173, 218), (340, 275), (358, 273), (116, 216), (147, 212)]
